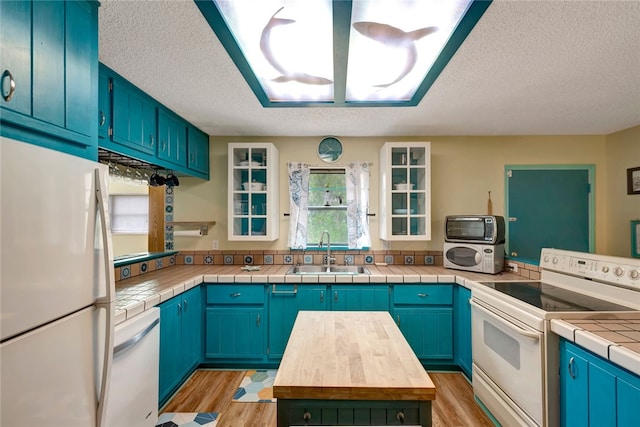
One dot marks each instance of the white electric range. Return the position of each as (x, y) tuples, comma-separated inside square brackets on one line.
[(515, 355)]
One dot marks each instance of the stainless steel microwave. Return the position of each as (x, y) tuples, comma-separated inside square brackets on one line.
[(474, 257), (485, 229)]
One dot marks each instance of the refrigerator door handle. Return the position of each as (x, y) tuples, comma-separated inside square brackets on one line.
[(102, 203), (106, 302)]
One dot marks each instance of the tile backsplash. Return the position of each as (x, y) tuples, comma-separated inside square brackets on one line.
[(280, 257), (284, 257)]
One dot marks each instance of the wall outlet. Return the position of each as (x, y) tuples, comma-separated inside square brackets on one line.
[(215, 244), (513, 267)]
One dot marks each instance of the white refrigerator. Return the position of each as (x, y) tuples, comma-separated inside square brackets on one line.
[(56, 288)]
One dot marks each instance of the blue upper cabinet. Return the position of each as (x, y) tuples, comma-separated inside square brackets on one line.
[(104, 106), (49, 66), (133, 124), (134, 118), (198, 150), (172, 138)]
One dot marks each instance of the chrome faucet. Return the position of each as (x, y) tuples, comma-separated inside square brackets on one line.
[(328, 256)]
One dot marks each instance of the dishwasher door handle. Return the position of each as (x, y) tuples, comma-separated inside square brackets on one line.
[(135, 339)]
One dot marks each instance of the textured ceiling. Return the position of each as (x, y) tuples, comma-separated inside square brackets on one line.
[(527, 68)]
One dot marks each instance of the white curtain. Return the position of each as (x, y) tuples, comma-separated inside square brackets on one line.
[(358, 205), (298, 202)]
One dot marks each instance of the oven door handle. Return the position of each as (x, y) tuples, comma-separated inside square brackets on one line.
[(533, 335)]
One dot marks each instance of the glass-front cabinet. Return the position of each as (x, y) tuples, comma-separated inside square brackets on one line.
[(405, 191), (253, 191)]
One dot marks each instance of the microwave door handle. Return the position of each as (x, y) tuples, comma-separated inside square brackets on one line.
[(533, 335)]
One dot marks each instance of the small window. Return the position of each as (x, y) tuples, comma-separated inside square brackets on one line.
[(327, 206), (129, 214)]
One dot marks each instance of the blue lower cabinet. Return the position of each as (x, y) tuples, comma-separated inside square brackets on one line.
[(594, 391), (462, 329), (285, 301), (192, 325), (180, 340), (234, 332), (360, 297), (429, 331), (235, 322), (170, 342), (424, 314), (628, 402)]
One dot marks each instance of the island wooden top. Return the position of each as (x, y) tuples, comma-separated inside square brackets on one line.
[(350, 355)]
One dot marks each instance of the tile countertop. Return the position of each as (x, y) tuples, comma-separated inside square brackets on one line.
[(617, 340), (135, 295)]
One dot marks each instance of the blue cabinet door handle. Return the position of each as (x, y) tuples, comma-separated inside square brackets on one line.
[(8, 90), (570, 367)]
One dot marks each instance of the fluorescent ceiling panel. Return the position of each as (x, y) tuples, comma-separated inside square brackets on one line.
[(341, 52)]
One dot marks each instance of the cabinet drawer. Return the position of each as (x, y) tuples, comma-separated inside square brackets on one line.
[(423, 294), (235, 294)]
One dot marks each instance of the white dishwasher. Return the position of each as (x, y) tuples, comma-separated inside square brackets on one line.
[(133, 393)]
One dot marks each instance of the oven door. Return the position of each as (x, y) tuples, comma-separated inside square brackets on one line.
[(510, 354)]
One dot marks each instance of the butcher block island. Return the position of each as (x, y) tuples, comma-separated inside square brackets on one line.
[(351, 368)]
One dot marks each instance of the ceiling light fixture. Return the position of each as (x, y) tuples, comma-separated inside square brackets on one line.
[(341, 52)]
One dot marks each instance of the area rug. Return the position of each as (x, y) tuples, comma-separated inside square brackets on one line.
[(188, 419), (256, 386)]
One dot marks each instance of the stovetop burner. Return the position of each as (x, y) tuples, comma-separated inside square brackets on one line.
[(551, 298)]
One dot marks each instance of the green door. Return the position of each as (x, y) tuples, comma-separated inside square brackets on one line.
[(548, 207)]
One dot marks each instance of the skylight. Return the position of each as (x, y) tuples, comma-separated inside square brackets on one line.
[(341, 52)]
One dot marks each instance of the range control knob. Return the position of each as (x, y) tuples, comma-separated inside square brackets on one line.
[(605, 269), (634, 274), (554, 260), (546, 258), (618, 271)]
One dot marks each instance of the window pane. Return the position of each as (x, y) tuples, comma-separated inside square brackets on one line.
[(327, 194), (129, 214), (334, 221)]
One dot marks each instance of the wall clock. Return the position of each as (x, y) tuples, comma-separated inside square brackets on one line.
[(330, 149)]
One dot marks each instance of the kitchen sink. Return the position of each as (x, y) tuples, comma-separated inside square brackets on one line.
[(323, 269)]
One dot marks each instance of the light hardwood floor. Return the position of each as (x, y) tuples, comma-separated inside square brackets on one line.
[(212, 391)]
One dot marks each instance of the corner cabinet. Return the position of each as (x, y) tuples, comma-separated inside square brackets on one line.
[(462, 329), (180, 340), (253, 211), (405, 188)]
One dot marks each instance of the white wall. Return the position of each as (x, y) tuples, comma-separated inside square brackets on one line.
[(464, 169), (622, 152)]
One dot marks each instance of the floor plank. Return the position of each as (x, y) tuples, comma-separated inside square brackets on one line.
[(212, 391)]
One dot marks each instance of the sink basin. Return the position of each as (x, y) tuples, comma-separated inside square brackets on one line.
[(323, 269)]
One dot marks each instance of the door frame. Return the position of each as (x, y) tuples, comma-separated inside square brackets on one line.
[(591, 174)]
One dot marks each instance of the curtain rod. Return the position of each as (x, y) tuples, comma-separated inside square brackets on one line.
[(325, 166)]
